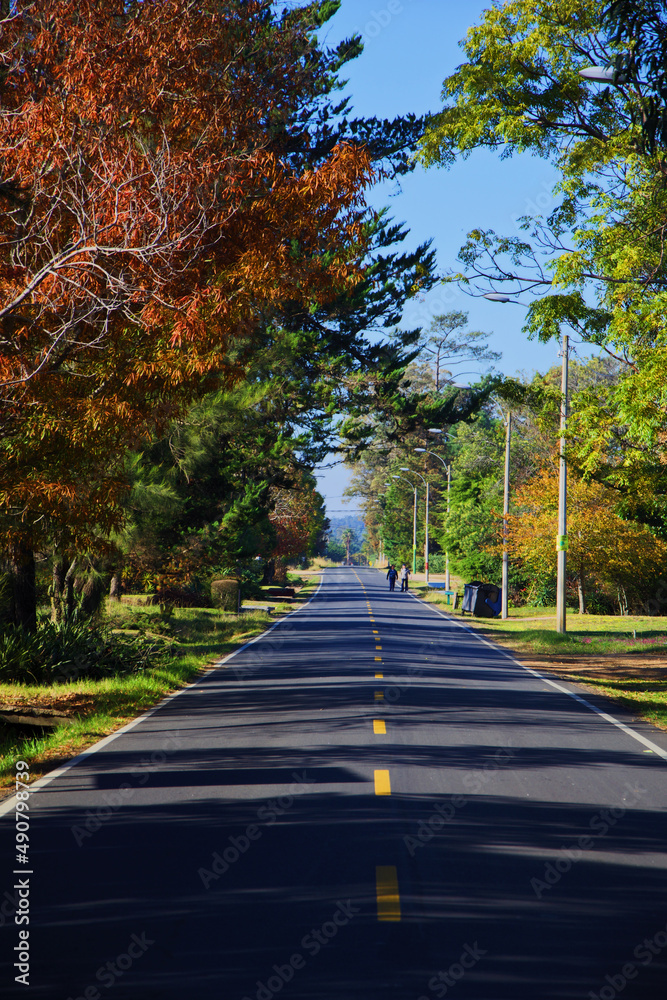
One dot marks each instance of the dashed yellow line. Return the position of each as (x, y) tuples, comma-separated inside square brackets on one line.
[(382, 783), (379, 695), (388, 897), (379, 677), (378, 659), (379, 727)]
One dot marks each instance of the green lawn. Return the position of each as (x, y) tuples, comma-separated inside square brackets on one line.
[(605, 653), (533, 630), (186, 642)]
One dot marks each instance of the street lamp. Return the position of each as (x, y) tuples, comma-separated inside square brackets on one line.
[(427, 485), (561, 537), (616, 75), (506, 512), (448, 469), (599, 74), (500, 297), (414, 523)]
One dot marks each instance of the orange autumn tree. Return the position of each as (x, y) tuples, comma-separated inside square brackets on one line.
[(604, 550), (148, 222), (298, 517)]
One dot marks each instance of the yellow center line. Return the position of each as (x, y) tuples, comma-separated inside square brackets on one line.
[(389, 900), (379, 676), (378, 659), (379, 695), (379, 727), (382, 783), (375, 632)]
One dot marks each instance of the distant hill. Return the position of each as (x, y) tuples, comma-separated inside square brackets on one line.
[(354, 521)]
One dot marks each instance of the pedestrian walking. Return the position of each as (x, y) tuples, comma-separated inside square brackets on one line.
[(405, 573), (392, 576)]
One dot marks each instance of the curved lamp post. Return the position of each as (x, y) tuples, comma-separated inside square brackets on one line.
[(448, 470), (414, 556), (414, 523)]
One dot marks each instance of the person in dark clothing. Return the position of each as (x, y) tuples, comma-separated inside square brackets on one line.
[(392, 576)]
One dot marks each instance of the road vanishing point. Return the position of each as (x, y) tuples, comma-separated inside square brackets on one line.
[(368, 801)]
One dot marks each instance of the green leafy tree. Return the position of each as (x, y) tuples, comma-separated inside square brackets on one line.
[(335, 550), (600, 254)]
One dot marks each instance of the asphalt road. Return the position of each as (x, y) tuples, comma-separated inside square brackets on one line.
[(368, 802)]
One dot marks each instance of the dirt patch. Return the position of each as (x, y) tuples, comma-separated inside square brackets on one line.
[(612, 666), (68, 703)]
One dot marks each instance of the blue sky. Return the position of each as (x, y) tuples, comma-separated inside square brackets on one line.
[(410, 47)]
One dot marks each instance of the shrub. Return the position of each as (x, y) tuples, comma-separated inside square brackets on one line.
[(225, 594), (179, 597), (63, 652)]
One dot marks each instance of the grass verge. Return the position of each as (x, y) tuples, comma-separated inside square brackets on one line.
[(622, 658), (190, 640)]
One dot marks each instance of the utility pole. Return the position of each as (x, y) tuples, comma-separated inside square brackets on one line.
[(426, 537), (506, 510), (449, 484), (405, 468), (561, 538), (414, 518), (414, 536)]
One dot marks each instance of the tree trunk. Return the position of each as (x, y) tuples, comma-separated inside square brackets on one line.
[(58, 585), (69, 591), (582, 592), (24, 595), (62, 597), (116, 588)]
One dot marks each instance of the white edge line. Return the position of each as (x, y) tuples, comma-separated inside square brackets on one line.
[(559, 687), (8, 805)]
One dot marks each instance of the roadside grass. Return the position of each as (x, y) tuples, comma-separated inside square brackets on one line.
[(621, 657), (436, 596), (187, 642), (646, 700), (587, 635)]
